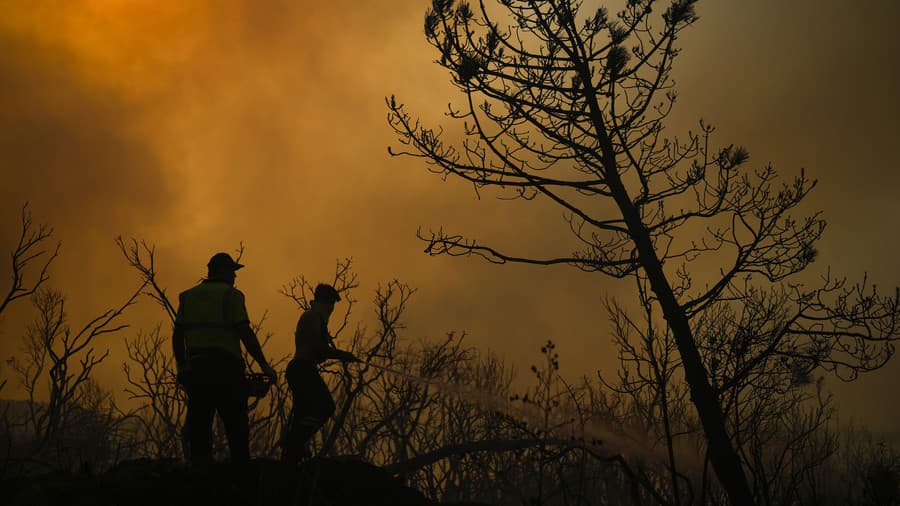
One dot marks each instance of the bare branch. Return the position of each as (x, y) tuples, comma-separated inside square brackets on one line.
[(31, 248)]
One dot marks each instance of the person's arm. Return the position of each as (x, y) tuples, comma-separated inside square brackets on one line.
[(318, 344), (334, 352), (251, 342), (345, 356), (240, 320), (248, 337)]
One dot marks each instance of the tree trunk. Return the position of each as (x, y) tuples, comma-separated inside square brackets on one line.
[(723, 456)]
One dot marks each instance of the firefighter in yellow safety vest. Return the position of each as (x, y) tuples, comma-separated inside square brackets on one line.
[(210, 324)]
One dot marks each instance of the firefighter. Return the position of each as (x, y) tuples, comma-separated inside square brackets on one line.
[(313, 405), (210, 324)]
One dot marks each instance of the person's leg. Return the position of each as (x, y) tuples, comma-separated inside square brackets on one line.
[(232, 407), (291, 450), (237, 427), (321, 405), (304, 420), (198, 420)]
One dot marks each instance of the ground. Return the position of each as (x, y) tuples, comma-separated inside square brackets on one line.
[(157, 483)]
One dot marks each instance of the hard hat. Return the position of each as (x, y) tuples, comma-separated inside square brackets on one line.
[(326, 293), (223, 262)]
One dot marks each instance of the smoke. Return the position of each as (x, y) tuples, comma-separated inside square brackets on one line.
[(600, 437), (200, 124), (68, 146)]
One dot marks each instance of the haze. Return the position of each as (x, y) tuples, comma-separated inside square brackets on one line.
[(197, 125)]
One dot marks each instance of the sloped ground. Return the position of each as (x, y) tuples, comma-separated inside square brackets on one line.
[(159, 483)]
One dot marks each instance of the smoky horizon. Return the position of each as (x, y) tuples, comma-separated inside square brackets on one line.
[(202, 127)]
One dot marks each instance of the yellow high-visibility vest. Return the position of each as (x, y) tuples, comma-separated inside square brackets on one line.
[(209, 315)]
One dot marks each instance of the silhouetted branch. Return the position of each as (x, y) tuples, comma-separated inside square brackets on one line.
[(30, 248), (142, 257), (163, 402), (56, 368)]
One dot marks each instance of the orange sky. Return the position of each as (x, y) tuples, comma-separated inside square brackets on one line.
[(196, 125)]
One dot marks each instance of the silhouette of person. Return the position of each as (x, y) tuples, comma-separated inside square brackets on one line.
[(210, 324), (313, 405)]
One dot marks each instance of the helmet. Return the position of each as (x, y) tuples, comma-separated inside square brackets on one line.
[(326, 293), (223, 262)]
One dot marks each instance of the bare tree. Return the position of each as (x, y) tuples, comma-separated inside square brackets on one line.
[(150, 374), (55, 368), (64, 404), (780, 419), (150, 370), (32, 248), (570, 106)]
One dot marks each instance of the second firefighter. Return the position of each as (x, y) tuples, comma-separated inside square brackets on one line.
[(313, 405)]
